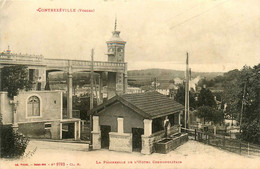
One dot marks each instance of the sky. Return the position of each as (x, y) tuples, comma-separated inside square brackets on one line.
[(219, 35)]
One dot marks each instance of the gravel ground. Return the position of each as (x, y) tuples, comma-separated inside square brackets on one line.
[(52, 155)]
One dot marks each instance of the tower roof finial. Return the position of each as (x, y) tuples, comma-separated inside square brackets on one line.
[(115, 23)]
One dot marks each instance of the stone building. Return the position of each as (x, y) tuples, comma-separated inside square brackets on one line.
[(39, 114), (134, 122)]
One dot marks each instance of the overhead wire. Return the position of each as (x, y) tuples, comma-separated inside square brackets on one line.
[(197, 15)]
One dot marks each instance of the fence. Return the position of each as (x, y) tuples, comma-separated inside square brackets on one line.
[(232, 145)]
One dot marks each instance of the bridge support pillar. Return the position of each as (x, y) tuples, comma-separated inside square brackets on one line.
[(119, 83), (69, 95), (125, 80), (0, 80), (100, 87), (111, 85), (116, 84), (42, 76), (125, 83), (47, 82)]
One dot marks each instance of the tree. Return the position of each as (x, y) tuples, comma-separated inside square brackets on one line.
[(180, 96), (15, 78), (172, 81), (234, 84), (204, 81), (210, 114), (13, 145), (206, 98), (250, 126), (204, 112), (230, 93), (217, 116), (82, 104)]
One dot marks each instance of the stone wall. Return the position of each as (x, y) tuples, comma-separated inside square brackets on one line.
[(50, 106), (168, 145), (150, 141), (109, 117), (5, 108), (55, 130), (120, 141), (37, 130), (147, 145), (160, 134)]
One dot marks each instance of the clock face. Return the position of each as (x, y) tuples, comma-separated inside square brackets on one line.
[(120, 50), (120, 58)]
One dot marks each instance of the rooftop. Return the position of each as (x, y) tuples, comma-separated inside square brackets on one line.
[(149, 105)]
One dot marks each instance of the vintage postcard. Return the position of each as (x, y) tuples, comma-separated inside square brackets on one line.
[(129, 84)]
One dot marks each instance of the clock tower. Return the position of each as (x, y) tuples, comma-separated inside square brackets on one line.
[(116, 47), (117, 81)]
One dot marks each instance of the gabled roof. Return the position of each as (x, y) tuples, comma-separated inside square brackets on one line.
[(149, 105)]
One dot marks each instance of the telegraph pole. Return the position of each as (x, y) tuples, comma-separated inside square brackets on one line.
[(91, 80), (187, 91), (188, 95), (242, 108), (91, 96)]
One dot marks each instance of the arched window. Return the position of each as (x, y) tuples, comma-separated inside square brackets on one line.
[(33, 106)]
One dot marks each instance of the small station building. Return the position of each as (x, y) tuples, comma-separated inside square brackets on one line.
[(135, 122)]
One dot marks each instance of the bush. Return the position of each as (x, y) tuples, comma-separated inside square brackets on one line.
[(13, 144), (238, 136)]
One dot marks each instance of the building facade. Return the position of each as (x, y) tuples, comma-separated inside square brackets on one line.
[(135, 122), (39, 114)]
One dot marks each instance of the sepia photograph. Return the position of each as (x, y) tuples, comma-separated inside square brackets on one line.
[(130, 84)]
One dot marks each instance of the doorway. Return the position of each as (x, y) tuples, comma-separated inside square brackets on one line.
[(105, 136), (137, 139), (67, 130)]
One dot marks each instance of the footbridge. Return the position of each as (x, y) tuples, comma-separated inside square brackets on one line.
[(39, 68)]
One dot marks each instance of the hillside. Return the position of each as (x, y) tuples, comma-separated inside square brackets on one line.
[(146, 76), (138, 77)]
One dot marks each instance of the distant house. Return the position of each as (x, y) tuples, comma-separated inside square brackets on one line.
[(39, 114), (231, 123), (134, 122), (168, 89)]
